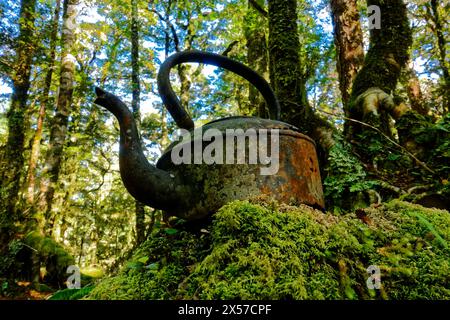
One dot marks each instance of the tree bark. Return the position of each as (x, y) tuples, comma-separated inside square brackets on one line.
[(35, 147), (433, 8), (13, 159), (413, 89), (183, 72), (257, 53), (348, 39), (371, 99), (59, 124), (285, 72), (286, 76), (135, 104)]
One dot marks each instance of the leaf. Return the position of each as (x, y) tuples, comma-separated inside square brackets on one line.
[(135, 265), (71, 294), (143, 260), (170, 231), (393, 157)]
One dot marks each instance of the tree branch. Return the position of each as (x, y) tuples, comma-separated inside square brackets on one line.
[(258, 8), (229, 48), (176, 40), (5, 66)]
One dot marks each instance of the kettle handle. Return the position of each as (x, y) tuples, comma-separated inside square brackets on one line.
[(173, 104)]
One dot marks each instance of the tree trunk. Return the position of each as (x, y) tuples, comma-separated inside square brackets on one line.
[(13, 160), (285, 72), (183, 73), (183, 69), (257, 54), (35, 147), (413, 89), (348, 39), (59, 124), (135, 104), (286, 77), (433, 8), (371, 99)]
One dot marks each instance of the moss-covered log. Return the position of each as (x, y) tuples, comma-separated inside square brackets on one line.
[(37, 259)]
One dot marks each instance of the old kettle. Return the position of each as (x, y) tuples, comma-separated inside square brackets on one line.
[(196, 188)]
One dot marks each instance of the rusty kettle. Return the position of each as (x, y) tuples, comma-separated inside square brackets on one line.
[(196, 187)]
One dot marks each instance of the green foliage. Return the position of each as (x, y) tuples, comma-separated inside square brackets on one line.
[(432, 142), (270, 251), (345, 176), (71, 294), (170, 231), (9, 263), (426, 49)]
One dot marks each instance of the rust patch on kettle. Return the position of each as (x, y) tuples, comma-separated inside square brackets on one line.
[(298, 180)]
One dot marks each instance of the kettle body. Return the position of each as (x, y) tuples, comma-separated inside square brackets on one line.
[(233, 158)]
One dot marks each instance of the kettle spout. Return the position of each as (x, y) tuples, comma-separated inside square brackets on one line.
[(146, 183)]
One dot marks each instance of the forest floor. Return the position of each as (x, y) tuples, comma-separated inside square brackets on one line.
[(23, 290)]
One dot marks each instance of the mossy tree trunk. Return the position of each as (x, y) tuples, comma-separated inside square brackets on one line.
[(371, 99), (135, 104), (257, 54), (36, 143), (286, 76), (285, 71), (433, 9), (388, 51), (13, 159), (183, 69), (59, 125)]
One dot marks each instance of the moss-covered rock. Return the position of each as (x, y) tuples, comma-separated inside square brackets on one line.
[(51, 255), (269, 251)]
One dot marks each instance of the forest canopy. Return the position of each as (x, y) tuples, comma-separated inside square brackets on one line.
[(368, 81)]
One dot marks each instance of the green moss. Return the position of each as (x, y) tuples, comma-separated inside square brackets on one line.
[(51, 254), (269, 251), (47, 248), (388, 51), (71, 294)]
